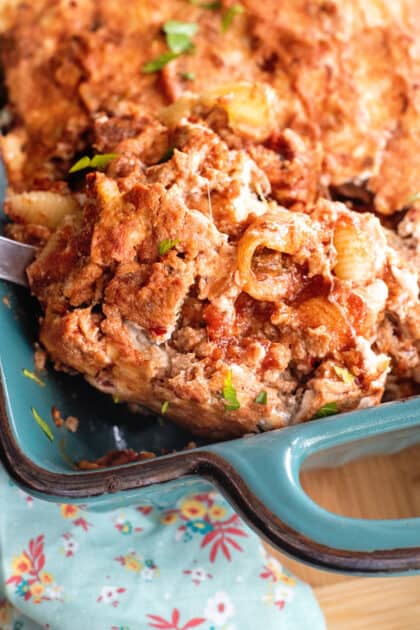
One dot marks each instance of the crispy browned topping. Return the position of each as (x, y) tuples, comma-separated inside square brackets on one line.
[(206, 262)]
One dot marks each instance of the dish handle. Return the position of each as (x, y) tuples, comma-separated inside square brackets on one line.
[(260, 475)]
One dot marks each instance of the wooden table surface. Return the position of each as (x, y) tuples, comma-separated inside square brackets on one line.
[(374, 487)]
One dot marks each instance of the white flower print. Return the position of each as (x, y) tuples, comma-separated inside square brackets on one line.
[(70, 545), (109, 595), (198, 575), (280, 596), (283, 593), (275, 566), (219, 609), (54, 592), (148, 574)]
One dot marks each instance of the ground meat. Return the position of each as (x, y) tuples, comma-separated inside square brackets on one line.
[(346, 74), (206, 267), (150, 325)]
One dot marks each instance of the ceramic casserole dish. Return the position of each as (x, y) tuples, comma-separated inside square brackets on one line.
[(258, 474)]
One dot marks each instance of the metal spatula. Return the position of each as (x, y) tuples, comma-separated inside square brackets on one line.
[(14, 259)]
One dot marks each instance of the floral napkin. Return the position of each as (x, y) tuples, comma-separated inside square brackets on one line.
[(194, 564)]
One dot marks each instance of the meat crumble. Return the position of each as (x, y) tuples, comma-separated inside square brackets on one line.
[(207, 266)]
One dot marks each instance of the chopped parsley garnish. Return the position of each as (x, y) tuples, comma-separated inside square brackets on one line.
[(344, 374), (261, 399), (164, 407), (178, 39), (230, 14), (41, 422), (157, 64), (229, 394), (166, 245), (115, 398), (33, 377), (188, 76), (178, 35), (98, 161), (329, 409), (167, 155), (207, 5)]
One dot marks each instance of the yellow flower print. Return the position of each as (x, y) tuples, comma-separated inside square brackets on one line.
[(68, 510), (288, 580), (132, 564), (21, 564), (192, 509), (169, 518), (37, 590), (46, 578), (217, 512)]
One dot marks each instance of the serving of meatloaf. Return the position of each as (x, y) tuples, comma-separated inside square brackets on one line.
[(247, 253)]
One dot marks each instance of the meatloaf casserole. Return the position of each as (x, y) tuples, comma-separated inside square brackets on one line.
[(225, 199)]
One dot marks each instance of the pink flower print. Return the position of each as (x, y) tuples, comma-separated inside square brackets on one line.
[(219, 609), (198, 575), (109, 595), (70, 545)]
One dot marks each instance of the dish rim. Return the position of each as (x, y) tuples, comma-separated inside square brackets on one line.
[(201, 463)]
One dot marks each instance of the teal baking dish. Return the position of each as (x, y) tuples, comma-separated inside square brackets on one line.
[(258, 474)]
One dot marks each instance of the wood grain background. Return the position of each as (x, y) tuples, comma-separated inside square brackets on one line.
[(374, 487)]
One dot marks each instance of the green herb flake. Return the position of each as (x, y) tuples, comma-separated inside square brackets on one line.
[(188, 76), (179, 34), (98, 161), (413, 199), (229, 16), (174, 27), (261, 399), (41, 422), (81, 164), (179, 43), (329, 409), (168, 155), (157, 64), (164, 407), (212, 6), (33, 377), (166, 245), (101, 161), (344, 374), (115, 398), (229, 394)]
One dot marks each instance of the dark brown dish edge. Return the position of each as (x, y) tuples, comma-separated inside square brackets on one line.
[(214, 468)]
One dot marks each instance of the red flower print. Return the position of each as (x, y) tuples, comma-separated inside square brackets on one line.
[(162, 624), (144, 509), (28, 576), (202, 514), (70, 511), (222, 536), (83, 523)]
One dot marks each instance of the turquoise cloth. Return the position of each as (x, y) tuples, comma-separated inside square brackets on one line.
[(194, 564)]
